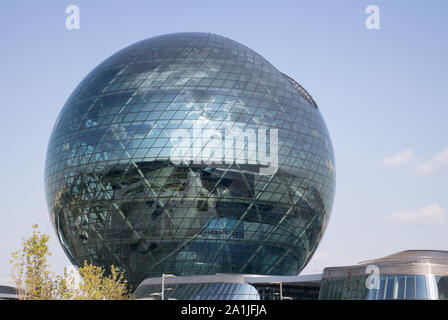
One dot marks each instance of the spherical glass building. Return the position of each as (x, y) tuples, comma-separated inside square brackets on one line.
[(190, 154)]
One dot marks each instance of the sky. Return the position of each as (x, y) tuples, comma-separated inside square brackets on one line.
[(382, 92)]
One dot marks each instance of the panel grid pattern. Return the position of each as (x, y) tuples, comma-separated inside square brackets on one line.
[(199, 291), (116, 196)]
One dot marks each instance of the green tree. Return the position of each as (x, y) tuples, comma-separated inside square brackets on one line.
[(96, 285), (34, 281), (65, 288), (30, 268)]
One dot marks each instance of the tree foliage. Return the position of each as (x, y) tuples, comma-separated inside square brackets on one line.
[(34, 281), (30, 273), (97, 285)]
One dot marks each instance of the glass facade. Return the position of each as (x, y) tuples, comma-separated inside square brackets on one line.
[(397, 286), (289, 292), (8, 293), (199, 291), (189, 154)]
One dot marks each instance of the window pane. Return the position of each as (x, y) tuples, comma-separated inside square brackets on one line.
[(420, 285), (399, 287), (390, 287), (373, 291), (442, 287), (372, 294), (330, 294), (431, 286), (410, 287), (382, 284)]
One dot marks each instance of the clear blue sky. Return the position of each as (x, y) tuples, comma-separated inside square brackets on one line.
[(383, 94)]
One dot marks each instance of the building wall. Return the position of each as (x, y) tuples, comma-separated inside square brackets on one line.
[(395, 286)]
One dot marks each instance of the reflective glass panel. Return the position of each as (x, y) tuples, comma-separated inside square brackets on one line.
[(399, 287), (390, 283), (381, 291), (420, 286), (442, 287), (410, 287), (189, 154)]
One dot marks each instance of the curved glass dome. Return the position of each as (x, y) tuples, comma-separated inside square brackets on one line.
[(190, 154)]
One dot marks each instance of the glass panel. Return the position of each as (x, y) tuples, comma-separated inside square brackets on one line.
[(382, 287), (399, 287), (331, 289), (322, 292), (420, 286), (390, 287), (373, 291), (442, 287), (362, 290), (410, 287), (113, 162), (371, 295), (431, 286)]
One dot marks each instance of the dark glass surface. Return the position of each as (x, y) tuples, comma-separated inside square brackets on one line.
[(390, 282), (442, 287), (199, 291), (382, 288), (397, 286), (116, 196), (410, 287), (289, 292), (420, 286)]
